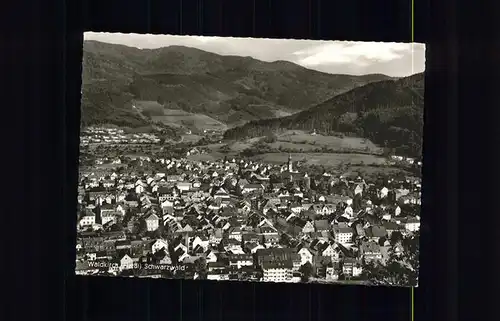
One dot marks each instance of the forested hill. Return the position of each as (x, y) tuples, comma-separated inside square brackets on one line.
[(230, 89), (388, 112)]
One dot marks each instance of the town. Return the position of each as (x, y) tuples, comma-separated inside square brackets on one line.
[(97, 135), (238, 219)]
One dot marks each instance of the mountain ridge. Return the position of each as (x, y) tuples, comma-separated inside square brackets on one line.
[(230, 89), (389, 112)]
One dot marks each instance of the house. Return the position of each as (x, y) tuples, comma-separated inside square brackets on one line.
[(210, 256), (184, 186), (109, 217), (319, 265), (163, 257), (400, 192), (233, 246), (139, 189), (343, 233), (358, 189), (132, 203), (216, 237), (351, 267), (235, 233), (370, 251), (167, 207), (413, 198), (411, 224), (87, 220), (305, 255), (308, 227), (348, 211), (277, 271), (152, 222), (240, 260), (218, 275), (274, 254), (159, 245), (221, 194), (296, 208), (109, 247), (329, 250), (126, 263), (253, 188), (324, 209), (201, 241), (123, 245), (91, 256), (332, 271), (384, 191)]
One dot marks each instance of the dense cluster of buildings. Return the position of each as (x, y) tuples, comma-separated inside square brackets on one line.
[(105, 135), (239, 220)]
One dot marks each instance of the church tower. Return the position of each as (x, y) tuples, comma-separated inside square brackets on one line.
[(290, 165)]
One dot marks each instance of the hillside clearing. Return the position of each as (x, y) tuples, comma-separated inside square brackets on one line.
[(330, 142), (180, 118)]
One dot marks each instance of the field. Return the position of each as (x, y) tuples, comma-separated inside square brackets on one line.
[(190, 138), (205, 157), (323, 159), (184, 119), (239, 146), (177, 118), (300, 141), (308, 141), (294, 146)]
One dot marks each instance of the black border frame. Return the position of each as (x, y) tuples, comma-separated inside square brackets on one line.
[(50, 90)]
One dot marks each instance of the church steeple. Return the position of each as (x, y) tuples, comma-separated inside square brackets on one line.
[(290, 165)]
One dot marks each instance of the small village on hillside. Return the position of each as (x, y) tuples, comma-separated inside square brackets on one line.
[(111, 135), (244, 220)]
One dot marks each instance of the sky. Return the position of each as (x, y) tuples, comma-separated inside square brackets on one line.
[(335, 57)]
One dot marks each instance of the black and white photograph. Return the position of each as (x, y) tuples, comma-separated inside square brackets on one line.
[(249, 159)]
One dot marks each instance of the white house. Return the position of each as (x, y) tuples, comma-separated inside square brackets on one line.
[(332, 274), (352, 268), (342, 233), (158, 245), (87, 220), (308, 227), (331, 252), (240, 260), (305, 255), (211, 257), (200, 241), (126, 263), (152, 223), (139, 189), (348, 211), (412, 224), (277, 272), (383, 192), (184, 186)]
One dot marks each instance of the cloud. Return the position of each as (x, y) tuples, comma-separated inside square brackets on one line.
[(362, 53), (342, 57)]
